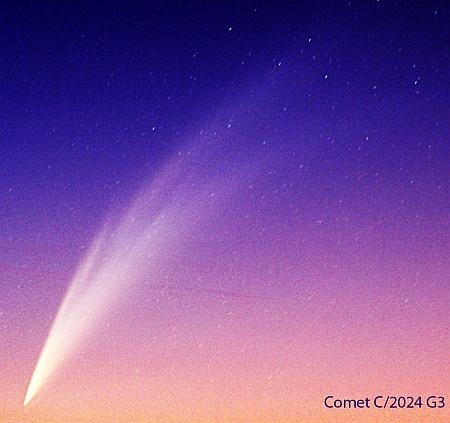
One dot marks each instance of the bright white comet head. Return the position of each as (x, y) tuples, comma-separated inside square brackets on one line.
[(69, 323)]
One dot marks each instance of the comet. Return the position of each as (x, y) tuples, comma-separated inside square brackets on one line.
[(129, 249)]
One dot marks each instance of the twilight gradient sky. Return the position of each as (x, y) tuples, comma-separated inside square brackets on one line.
[(290, 163)]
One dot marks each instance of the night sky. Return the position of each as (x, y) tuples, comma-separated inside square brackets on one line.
[(258, 196)]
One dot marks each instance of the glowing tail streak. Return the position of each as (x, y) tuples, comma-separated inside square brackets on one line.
[(124, 253)]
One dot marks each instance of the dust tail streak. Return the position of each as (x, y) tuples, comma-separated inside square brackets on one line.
[(128, 251)]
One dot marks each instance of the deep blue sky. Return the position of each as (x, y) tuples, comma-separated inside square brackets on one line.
[(95, 96)]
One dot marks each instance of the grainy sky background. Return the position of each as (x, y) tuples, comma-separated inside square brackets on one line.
[(317, 263)]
